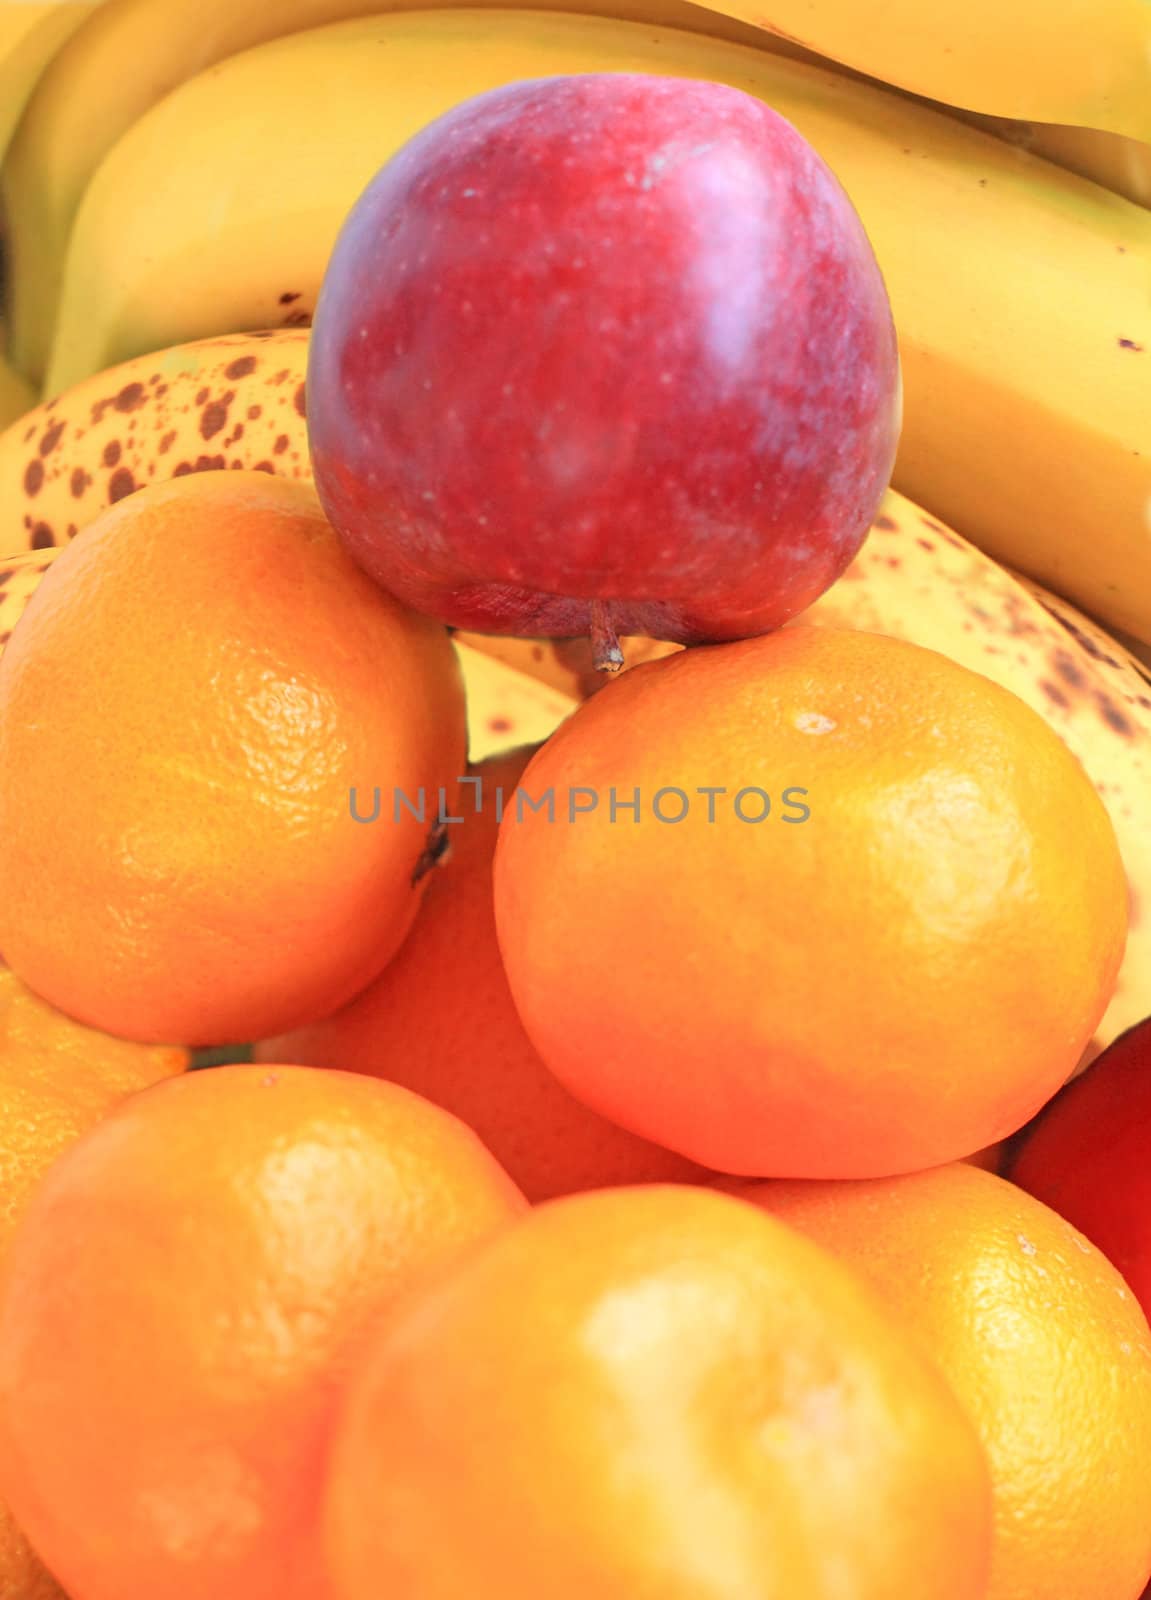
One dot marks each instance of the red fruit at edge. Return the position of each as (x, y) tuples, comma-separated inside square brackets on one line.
[(605, 337), (1089, 1156)]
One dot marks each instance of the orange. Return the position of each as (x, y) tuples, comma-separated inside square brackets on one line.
[(183, 1298), (647, 1392), (878, 940), (440, 1020), (57, 1079), (194, 689), (1041, 1340), (1088, 1156)]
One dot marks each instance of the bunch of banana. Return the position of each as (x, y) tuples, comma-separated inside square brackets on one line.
[(1085, 66), (73, 122), (1019, 290)]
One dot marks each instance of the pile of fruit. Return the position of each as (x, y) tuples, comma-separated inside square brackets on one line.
[(575, 801)]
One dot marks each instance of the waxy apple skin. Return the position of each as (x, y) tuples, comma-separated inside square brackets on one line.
[(607, 337)]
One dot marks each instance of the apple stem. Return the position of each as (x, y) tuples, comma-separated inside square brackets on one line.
[(605, 645)]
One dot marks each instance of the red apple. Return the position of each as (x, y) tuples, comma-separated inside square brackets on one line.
[(606, 351), (1089, 1156)]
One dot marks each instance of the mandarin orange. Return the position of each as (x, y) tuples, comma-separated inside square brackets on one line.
[(645, 1392), (57, 1079), (1041, 1340), (184, 1296), (196, 686), (821, 903)]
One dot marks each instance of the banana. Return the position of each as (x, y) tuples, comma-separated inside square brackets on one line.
[(31, 33), (916, 579), (1020, 291), (72, 121), (19, 576), (1120, 164), (16, 395), (236, 401), (506, 708), (1083, 62)]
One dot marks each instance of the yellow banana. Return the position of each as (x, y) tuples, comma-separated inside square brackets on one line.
[(1083, 62), (1020, 291), (19, 576), (16, 396), (236, 401), (507, 708), (73, 121), (1120, 164), (31, 33)]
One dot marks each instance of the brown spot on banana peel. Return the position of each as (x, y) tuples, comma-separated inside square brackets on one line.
[(1114, 717), (111, 455), (51, 438), (131, 397), (1068, 669), (33, 478), (1055, 694), (215, 415), (242, 367), (79, 482), (121, 484)]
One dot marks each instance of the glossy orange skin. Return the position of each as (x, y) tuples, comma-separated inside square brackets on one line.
[(440, 1020), (57, 1079), (644, 1393), (1089, 1156), (185, 1295), (898, 980), (193, 689), (1041, 1340)]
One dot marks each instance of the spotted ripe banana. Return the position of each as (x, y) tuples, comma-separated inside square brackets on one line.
[(1020, 291), (19, 576), (236, 401)]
